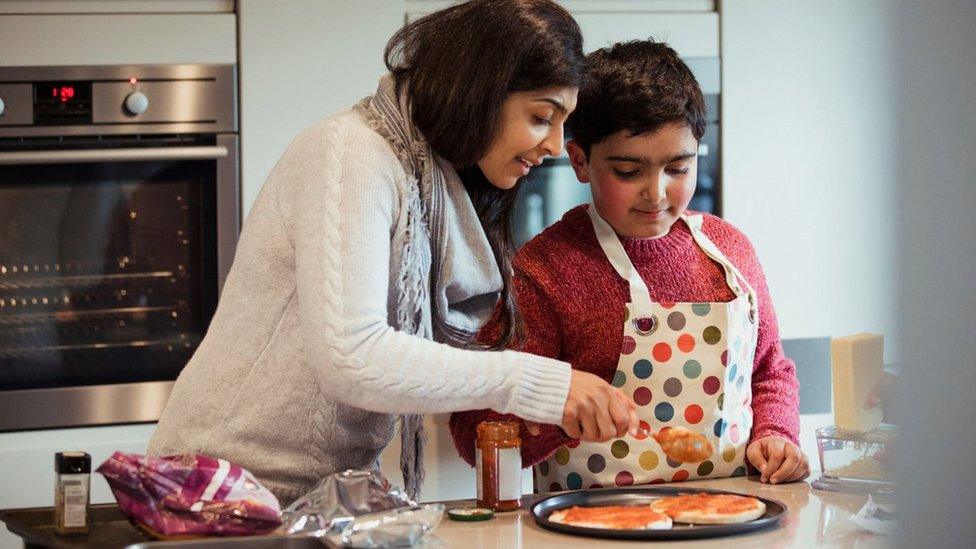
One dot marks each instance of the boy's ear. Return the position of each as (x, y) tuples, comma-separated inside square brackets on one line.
[(578, 159)]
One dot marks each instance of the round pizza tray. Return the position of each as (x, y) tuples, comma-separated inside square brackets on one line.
[(644, 496)]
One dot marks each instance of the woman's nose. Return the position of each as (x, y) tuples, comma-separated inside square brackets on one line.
[(553, 143)]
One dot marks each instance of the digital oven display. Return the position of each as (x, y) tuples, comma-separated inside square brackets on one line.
[(65, 93), (62, 102)]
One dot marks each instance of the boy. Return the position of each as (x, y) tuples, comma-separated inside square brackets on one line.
[(669, 305)]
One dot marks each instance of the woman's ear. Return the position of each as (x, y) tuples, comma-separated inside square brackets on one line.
[(578, 158)]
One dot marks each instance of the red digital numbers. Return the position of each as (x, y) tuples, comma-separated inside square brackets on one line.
[(64, 93)]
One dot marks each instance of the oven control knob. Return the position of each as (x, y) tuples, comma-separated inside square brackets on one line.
[(136, 102), (1, 106)]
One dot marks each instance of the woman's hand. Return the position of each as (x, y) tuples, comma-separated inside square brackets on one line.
[(778, 460), (595, 411)]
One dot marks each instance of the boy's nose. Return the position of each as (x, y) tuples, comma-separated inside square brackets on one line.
[(656, 189)]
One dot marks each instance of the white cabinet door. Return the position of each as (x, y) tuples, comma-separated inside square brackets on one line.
[(117, 39), (33, 7)]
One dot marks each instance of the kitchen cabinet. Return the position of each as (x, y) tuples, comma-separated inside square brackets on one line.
[(35, 7), (117, 39), (300, 61)]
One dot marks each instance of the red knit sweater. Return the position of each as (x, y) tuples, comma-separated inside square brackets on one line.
[(573, 305)]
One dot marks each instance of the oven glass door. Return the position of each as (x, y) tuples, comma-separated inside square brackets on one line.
[(107, 261)]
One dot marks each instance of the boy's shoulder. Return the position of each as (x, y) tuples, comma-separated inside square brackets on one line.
[(564, 240), (724, 234)]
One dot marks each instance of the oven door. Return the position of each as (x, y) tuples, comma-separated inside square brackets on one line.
[(111, 257)]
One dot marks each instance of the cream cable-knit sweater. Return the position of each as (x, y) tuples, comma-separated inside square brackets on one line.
[(300, 373)]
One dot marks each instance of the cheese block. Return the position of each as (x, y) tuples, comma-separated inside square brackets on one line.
[(856, 367)]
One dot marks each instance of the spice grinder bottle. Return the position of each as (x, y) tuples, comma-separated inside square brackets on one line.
[(71, 492)]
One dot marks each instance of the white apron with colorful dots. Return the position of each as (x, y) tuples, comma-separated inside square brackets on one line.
[(683, 364)]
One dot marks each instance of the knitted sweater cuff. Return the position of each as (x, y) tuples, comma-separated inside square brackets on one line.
[(543, 385), (771, 432)]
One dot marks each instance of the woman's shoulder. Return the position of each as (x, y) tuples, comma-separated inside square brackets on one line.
[(347, 137), (339, 159), (335, 149)]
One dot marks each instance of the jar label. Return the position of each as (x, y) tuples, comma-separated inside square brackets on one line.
[(509, 474), (75, 489), (479, 468)]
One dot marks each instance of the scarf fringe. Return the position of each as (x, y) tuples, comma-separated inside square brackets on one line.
[(388, 116)]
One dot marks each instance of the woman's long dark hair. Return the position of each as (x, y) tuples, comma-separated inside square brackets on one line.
[(459, 65)]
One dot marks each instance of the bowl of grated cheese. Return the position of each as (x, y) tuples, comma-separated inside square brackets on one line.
[(856, 461)]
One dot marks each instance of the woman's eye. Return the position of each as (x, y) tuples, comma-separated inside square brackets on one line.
[(624, 174), (542, 121), (677, 171)]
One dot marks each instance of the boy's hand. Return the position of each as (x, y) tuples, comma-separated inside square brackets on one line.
[(778, 460)]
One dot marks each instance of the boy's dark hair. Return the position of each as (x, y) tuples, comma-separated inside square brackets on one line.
[(458, 66), (638, 87)]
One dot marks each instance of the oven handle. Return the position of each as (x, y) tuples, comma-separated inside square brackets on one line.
[(112, 155)]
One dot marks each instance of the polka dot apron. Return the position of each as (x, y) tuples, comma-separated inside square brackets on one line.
[(684, 364)]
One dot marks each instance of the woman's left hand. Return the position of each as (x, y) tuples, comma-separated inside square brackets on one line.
[(778, 460)]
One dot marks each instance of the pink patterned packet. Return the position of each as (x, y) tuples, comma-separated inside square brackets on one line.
[(190, 495)]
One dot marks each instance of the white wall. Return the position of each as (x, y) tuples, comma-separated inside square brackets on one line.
[(302, 60), (809, 159)]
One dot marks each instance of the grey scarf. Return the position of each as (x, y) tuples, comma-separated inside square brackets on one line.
[(449, 279)]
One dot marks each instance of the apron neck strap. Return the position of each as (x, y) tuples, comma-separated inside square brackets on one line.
[(733, 277), (640, 297)]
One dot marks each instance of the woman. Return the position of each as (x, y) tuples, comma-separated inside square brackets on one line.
[(379, 244)]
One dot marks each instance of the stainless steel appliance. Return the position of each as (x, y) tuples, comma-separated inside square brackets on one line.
[(119, 215)]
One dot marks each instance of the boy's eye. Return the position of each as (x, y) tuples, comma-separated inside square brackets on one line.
[(677, 171), (625, 174)]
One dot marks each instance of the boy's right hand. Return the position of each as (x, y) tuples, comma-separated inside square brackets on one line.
[(596, 411)]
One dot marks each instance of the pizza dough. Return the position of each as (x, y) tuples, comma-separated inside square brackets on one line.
[(617, 517), (710, 508)]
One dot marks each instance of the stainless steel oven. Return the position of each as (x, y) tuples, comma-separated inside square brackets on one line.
[(119, 215)]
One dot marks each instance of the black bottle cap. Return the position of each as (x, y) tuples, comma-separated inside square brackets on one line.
[(71, 463)]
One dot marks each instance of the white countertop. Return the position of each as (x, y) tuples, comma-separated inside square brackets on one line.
[(815, 519)]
